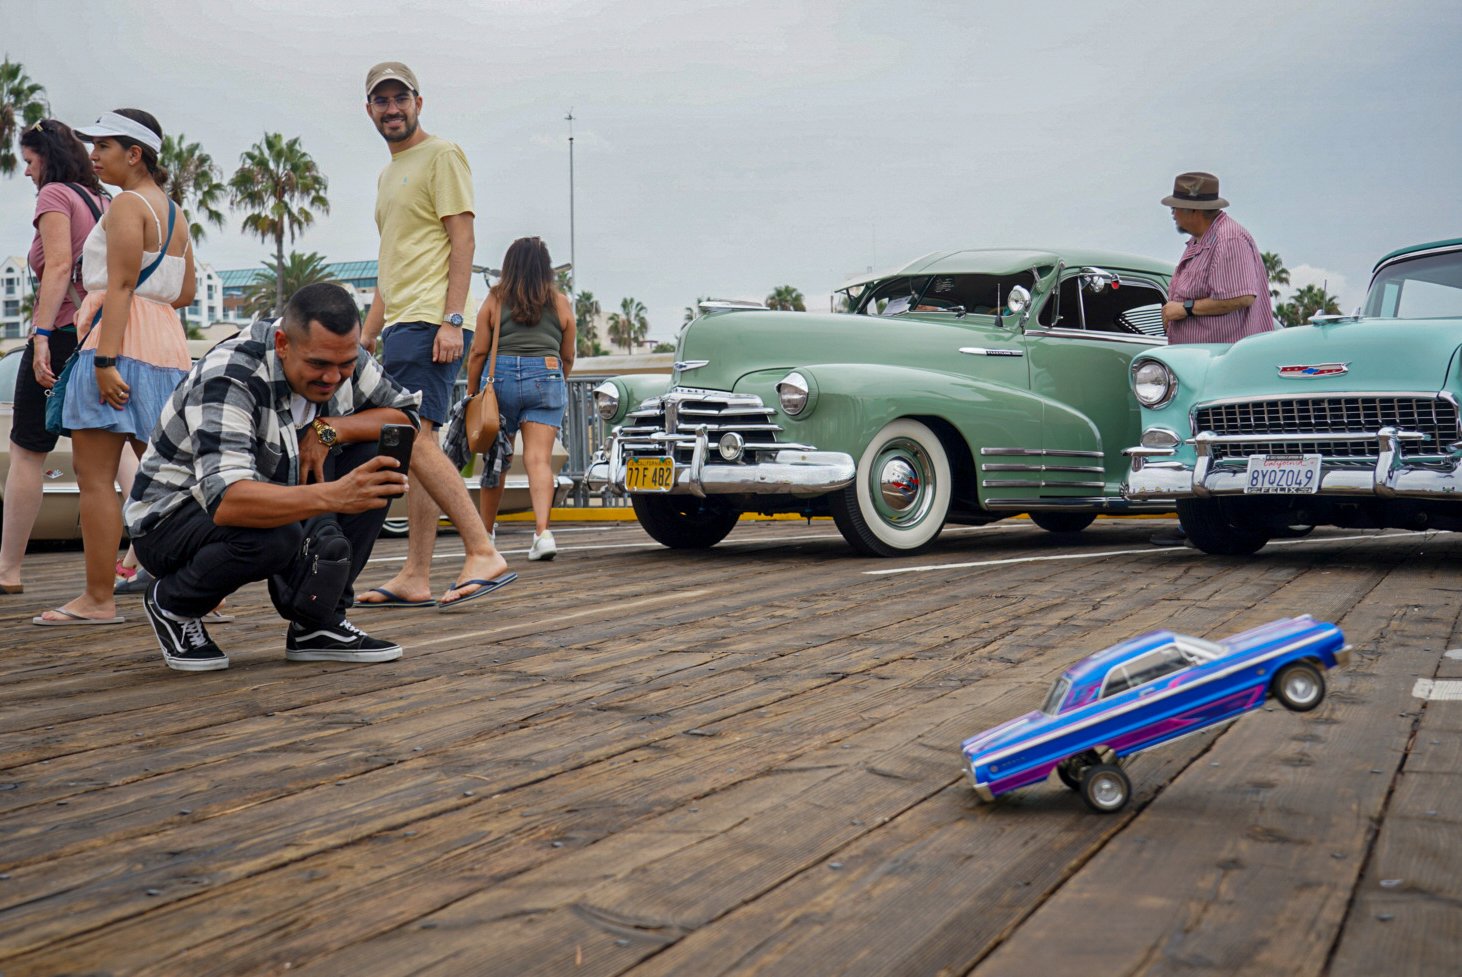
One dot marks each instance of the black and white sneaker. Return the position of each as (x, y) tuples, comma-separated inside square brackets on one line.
[(186, 646), (343, 642)]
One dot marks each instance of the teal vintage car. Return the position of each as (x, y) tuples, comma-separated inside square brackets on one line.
[(1346, 421), (963, 387)]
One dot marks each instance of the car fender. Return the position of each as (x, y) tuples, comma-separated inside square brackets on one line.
[(634, 389), (853, 401)]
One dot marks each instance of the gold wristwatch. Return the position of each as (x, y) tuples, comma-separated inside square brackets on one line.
[(328, 435)]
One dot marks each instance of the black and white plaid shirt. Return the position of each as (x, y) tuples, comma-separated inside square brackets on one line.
[(230, 421)]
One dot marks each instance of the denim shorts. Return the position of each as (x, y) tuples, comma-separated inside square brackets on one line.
[(527, 390), (406, 357)]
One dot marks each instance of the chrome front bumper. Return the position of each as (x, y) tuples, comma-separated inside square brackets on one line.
[(795, 469), (1390, 477)]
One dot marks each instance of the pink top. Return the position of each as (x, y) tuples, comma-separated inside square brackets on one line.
[(1222, 264), (59, 198)]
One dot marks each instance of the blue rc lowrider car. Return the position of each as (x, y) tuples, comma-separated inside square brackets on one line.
[(1148, 691)]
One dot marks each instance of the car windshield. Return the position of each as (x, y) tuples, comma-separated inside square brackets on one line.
[(976, 294), (9, 370), (1056, 696), (1424, 287)]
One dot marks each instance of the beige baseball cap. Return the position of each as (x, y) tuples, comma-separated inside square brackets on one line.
[(391, 71)]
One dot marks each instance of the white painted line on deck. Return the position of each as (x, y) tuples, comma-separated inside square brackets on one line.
[(1437, 690), (1454, 654), (1150, 550)]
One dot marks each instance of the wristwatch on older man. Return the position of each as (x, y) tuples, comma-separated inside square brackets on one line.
[(455, 319), (1188, 308)]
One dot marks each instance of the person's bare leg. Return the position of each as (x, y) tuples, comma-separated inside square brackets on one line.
[(413, 581), (433, 471), (488, 503), (538, 461), (127, 466), (23, 496), (94, 456)]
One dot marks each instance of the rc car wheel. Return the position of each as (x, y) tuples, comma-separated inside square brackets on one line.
[(395, 528), (898, 502), (1062, 522), (1105, 788), (1299, 686), (1210, 529), (684, 522)]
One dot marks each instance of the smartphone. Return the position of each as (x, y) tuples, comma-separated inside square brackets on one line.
[(395, 442)]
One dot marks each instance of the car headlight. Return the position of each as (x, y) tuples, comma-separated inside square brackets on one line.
[(606, 399), (793, 391), (1153, 383)]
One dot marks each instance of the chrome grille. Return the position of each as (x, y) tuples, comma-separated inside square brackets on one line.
[(1433, 417), (645, 428)]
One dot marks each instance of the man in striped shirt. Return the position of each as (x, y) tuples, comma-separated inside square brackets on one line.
[(1220, 291), (264, 466)]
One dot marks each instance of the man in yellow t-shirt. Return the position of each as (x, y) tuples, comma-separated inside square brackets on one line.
[(424, 214)]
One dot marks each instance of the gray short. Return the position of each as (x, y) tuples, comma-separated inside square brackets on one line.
[(406, 357)]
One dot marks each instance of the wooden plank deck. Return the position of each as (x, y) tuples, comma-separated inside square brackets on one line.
[(745, 761)]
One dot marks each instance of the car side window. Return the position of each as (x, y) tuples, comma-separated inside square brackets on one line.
[(1131, 308), (1147, 668)]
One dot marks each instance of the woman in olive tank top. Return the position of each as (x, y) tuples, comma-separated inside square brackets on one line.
[(535, 353)]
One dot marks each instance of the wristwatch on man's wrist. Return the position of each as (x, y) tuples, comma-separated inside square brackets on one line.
[(1188, 307), (328, 435), (105, 361), (455, 319)]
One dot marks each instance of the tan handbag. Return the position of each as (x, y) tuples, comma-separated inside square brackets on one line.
[(483, 419)]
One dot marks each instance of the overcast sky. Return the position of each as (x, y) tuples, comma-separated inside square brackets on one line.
[(727, 148)]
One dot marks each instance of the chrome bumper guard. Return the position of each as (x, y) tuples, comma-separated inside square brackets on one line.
[(1390, 476), (795, 469)]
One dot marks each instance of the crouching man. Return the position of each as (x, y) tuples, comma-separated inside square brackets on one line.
[(264, 467)]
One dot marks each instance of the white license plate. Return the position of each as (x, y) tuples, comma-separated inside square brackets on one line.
[(1283, 475)]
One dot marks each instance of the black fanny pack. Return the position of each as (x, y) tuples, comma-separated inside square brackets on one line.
[(309, 592)]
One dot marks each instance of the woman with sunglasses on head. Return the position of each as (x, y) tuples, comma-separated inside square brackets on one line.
[(536, 339), (69, 201), (138, 267)]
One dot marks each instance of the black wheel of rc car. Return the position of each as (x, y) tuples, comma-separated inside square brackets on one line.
[(1210, 529), (1299, 686), (684, 522), (1068, 771), (1062, 522), (1105, 788), (395, 528), (900, 498)]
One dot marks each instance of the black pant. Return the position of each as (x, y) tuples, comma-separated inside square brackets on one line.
[(198, 562)]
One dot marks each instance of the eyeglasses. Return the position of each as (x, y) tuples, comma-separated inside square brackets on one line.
[(400, 101)]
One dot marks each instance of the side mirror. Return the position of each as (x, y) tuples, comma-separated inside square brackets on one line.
[(1096, 279), (1018, 300)]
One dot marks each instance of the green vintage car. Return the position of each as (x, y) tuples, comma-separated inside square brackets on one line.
[(1347, 421), (963, 387)]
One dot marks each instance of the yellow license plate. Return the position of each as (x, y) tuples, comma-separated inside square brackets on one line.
[(649, 474)]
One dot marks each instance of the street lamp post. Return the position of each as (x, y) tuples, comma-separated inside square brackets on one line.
[(573, 263)]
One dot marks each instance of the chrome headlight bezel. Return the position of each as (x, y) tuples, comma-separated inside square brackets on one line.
[(796, 394), (606, 400), (1153, 383)]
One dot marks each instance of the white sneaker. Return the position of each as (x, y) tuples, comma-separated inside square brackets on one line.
[(543, 546)]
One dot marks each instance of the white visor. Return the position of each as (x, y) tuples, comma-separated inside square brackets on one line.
[(112, 124)]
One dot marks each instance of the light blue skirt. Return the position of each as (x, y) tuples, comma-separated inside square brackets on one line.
[(149, 389)]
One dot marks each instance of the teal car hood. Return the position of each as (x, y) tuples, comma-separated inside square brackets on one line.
[(735, 344), (1376, 354)]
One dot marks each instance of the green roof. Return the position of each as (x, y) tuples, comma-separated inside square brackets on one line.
[(1009, 261), (1448, 243), (345, 271)]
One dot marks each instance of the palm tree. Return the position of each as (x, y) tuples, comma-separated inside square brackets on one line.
[(786, 298), (586, 318), (22, 103), (1278, 274), (693, 311), (196, 184), (629, 325), (1309, 301), (278, 183), (299, 270)]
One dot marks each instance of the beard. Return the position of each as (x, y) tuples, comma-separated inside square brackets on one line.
[(407, 131)]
